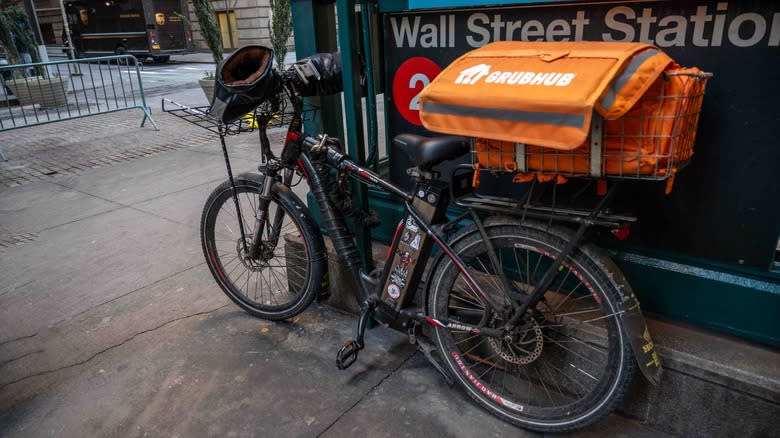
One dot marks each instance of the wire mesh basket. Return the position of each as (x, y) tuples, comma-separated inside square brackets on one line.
[(272, 114), (199, 116), (651, 141)]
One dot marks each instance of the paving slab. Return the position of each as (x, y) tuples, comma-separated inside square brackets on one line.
[(183, 207), (81, 264), (414, 401), (77, 339), (148, 178), (222, 373), (74, 146), (35, 207)]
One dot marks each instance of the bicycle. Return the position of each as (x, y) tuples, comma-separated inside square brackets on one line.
[(538, 326)]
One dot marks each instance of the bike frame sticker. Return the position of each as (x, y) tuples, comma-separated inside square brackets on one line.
[(411, 225), (397, 279), (394, 291), (416, 242)]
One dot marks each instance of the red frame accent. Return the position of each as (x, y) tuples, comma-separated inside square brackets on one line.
[(395, 237), (216, 265)]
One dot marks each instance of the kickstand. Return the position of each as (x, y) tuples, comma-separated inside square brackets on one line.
[(427, 348)]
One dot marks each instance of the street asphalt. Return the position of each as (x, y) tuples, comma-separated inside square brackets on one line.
[(111, 325)]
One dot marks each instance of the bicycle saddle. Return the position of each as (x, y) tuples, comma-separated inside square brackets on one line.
[(426, 152)]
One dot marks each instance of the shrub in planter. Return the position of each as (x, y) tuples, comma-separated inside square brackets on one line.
[(17, 39), (210, 32)]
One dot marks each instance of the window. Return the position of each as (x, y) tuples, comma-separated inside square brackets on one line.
[(227, 28)]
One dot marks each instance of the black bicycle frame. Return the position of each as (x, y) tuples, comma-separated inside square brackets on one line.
[(401, 270), (420, 228), (424, 224)]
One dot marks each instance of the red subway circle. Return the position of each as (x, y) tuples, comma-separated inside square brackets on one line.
[(412, 76)]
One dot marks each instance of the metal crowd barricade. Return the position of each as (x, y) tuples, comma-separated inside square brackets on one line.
[(46, 92)]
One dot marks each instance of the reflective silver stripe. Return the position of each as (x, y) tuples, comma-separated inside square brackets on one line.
[(571, 120), (622, 80), (595, 145), (520, 157)]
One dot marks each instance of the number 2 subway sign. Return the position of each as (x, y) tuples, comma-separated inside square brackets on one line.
[(738, 41)]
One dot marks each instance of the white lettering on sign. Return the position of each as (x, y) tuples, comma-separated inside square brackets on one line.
[(420, 78), (708, 26), (707, 29), (408, 33), (473, 74)]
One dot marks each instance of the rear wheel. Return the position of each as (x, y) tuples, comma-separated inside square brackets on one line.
[(284, 277), (567, 363)]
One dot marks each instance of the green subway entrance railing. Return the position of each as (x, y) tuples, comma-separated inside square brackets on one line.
[(708, 253)]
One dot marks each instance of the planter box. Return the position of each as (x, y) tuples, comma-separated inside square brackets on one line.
[(46, 92), (208, 87)]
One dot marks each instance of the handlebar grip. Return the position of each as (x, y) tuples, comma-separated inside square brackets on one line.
[(330, 150), (318, 75)]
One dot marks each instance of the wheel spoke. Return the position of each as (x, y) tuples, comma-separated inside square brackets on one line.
[(559, 359), (262, 283)]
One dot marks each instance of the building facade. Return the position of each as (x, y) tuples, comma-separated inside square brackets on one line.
[(241, 22)]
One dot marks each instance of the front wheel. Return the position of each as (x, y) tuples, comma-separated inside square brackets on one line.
[(567, 362), (286, 274)]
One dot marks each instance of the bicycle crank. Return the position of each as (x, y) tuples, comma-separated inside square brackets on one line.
[(348, 353)]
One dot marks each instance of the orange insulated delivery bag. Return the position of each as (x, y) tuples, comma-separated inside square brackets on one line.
[(569, 108)]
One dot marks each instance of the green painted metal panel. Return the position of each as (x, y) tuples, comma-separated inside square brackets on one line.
[(350, 60), (385, 6), (725, 297), (743, 302), (734, 302), (313, 24)]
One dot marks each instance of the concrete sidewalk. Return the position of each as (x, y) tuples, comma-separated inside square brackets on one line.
[(111, 325)]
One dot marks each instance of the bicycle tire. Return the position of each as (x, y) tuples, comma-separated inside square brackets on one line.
[(290, 287), (515, 383)]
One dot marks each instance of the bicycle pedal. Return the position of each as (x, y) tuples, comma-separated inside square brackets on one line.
[(347, 354)]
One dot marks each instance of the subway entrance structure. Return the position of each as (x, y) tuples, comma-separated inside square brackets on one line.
[(707, 253)]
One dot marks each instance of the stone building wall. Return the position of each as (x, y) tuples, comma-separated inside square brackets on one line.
[(252, 21)]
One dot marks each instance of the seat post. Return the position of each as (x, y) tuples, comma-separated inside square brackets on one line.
[(422, 175)]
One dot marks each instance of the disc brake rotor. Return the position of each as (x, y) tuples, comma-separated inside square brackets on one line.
[(525, 348), (255, 265)]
